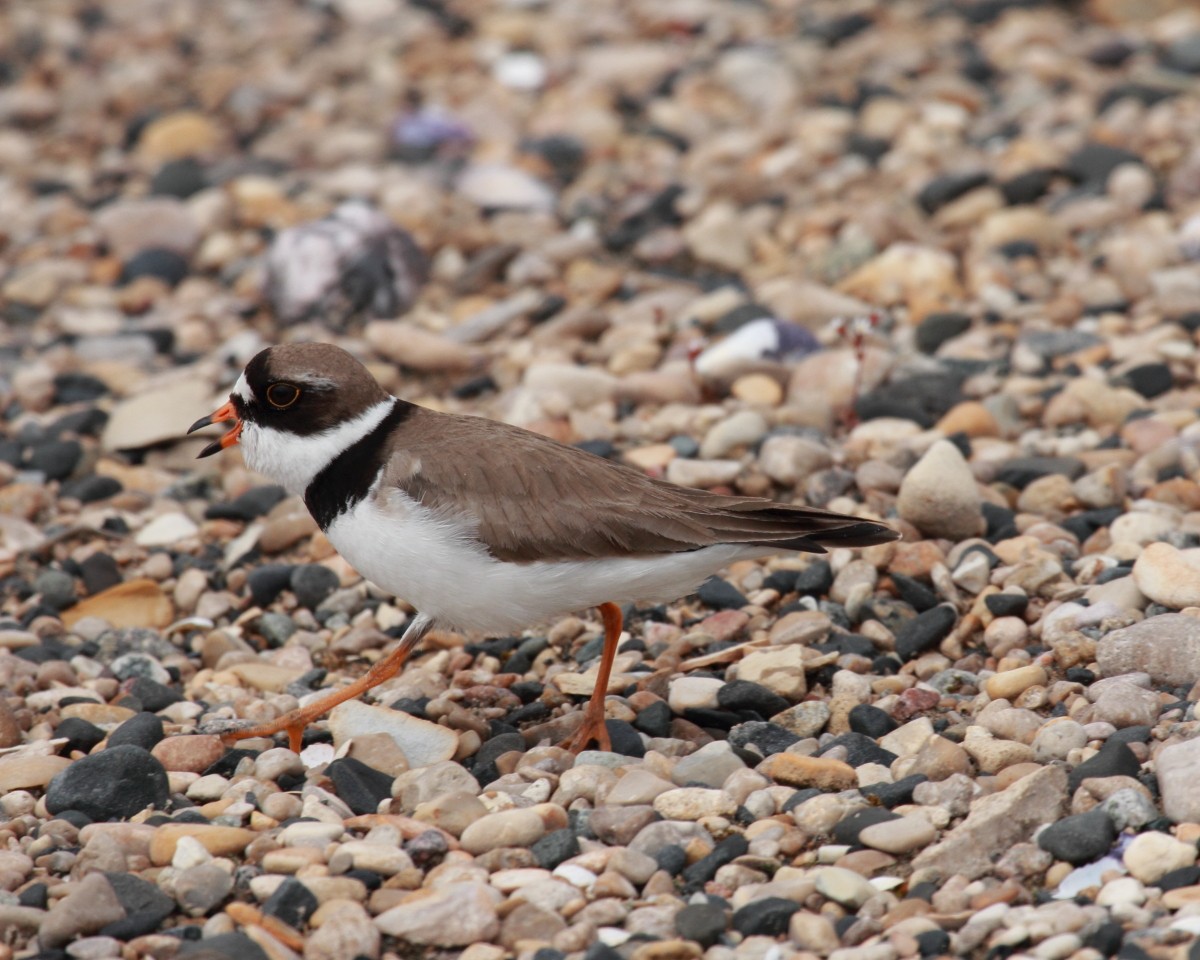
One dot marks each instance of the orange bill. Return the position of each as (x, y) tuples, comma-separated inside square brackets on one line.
[(224, 415)]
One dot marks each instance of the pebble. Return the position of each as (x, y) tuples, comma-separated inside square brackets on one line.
[(1162, 646), (113, 784), (938, 495), (1149, 856), (453, 915), (843, 886), (900, 836), (507, 828), (1168, 576), (422, 742)]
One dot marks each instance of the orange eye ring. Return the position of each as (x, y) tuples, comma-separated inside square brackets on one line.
[(282, 395)]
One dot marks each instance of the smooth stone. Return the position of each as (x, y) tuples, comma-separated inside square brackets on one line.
[(693, 803), (113, 784), (166, 529), (1012, 683), (507, 828), (154, 415), (741, 429), (939, 495), (820, 772), (689, 693), (711, 765), (1168, 575), (422, 742), (135, 603), (1178, 769), (1150, 856), (220, 841), (843, 886), (454, 915), (29, 772), (899, 836), (1167, 647)]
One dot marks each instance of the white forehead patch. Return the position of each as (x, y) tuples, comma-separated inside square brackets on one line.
[(242, 389)]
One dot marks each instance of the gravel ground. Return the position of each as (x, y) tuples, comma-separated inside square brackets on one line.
[(668, 232)]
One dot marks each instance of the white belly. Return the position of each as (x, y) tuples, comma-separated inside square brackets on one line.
[(436, 566)]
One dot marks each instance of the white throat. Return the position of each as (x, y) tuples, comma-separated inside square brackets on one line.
[(293, 461)]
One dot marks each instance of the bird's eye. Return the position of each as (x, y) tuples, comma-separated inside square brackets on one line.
[(282, 395)]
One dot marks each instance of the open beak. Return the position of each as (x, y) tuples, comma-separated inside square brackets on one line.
[(224, 415)]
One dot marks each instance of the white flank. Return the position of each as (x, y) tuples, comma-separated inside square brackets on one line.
[(291, 460), (435, 564)]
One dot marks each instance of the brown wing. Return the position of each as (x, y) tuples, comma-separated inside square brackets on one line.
[(535, 499)]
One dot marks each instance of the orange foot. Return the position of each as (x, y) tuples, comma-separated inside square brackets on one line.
[(294, 723), (593, 728)]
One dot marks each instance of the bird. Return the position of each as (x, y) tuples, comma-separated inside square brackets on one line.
[(484, 526)]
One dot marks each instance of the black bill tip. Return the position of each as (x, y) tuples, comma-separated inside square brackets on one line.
[(205, 421), (214, 447)]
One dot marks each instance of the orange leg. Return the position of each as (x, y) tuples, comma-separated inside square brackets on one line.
[(295, 722), (593, 714)]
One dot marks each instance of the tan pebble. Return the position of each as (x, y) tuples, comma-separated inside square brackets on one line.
[(218, 840), (135, 603), (1011, 683), (759, 389), (193, 754), (969, 417), (798, 771)]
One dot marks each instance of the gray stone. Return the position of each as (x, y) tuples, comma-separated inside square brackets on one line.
[(997, 822), (1178, 768), (1167, 647)]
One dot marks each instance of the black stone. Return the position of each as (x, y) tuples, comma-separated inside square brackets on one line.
[(549, 953), (922, 400), (745, 695), (36, 895), (77, 387), (80, 734), (92, 488), (933, 943), (814, 580), (1027, 187), (234, 946), (113, 784), (1006, 604), (762, 736), (1020, 472), (601, 951), (158, 262), (1114, 759), (671, 858), (1150, 379), (153, 695), (782, 580), (914, 592), (227, 764), (139, 897), (179, 178), (292, 902), (141, 730), (937, 328), (654, 720), (659, 211), (1093, 162), (1080, 838), (312, 584), (925, 631), (1176, 879), (1001, 522), (360, 787), (767, 917), (741, 315), (252, 504), (850, 826), (721, 595), (624, 739), (704, 869), (555, 847), (894, 794), (859, 750), (57, 459), (702, 923), (946, 188), (836, 29), (1135, 734), (870, 721), (496, 746), (265, 583)]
